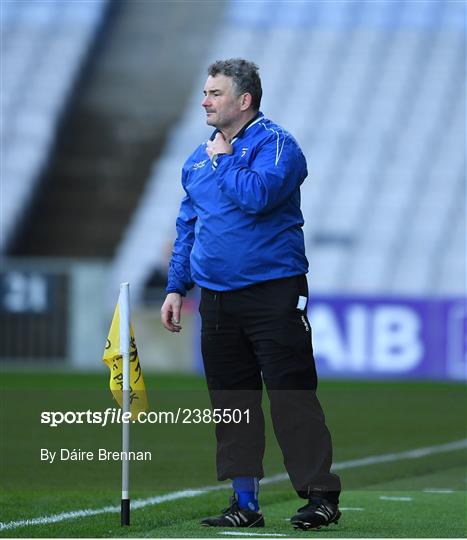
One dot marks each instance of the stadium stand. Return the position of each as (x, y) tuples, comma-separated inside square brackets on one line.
[(374, 93), (44, 44), (134, 86)]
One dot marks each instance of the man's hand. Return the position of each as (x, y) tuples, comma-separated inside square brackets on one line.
[(218, 146), (170, 312)]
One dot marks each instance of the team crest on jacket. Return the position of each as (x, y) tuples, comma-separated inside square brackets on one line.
[(244, 151), (199, 164)]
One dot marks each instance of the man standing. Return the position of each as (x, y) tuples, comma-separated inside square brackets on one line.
[(239, 237)]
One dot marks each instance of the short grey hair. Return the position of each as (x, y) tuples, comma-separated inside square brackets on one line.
[(245, 77)]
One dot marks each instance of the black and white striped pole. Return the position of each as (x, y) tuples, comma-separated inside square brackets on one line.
[(124, 307)]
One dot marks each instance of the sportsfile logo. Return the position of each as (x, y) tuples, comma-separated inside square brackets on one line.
[(102, 418), (117, 416)]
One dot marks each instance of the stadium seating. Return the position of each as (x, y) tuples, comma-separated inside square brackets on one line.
[(44, 44), (373, 91)]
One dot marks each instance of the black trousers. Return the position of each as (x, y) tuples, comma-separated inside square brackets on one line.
[(259, 334)]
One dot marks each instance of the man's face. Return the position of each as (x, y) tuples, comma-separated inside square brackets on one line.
[(223, 107)]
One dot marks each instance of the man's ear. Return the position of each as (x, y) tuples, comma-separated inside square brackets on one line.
[(246, 101)]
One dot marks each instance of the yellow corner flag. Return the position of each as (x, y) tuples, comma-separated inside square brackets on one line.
[(114, 360)]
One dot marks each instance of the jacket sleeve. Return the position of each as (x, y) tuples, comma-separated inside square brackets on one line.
[(277, 170), (179, 279)]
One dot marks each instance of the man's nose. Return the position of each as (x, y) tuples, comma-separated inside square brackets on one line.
[(206, 102)]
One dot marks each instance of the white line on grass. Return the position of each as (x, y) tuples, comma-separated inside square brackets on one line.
[(434, 490), (405, 499), (235, 533), (187, 493)]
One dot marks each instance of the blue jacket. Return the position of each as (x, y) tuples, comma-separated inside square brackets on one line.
[(240, 221)]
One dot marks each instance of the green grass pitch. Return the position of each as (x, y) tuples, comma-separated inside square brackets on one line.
[(418, 496)]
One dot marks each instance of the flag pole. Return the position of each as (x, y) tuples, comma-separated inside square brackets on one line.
[(124, 304)]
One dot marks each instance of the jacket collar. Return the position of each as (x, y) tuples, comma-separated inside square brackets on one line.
[(241, 133)]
